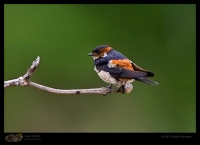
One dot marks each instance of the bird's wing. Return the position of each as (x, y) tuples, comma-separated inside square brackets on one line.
[(120, 72), (126, 63), (127, 73), (137, 68), (124, 73)]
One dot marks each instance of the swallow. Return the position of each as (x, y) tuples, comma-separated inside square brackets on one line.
[(116, 69)]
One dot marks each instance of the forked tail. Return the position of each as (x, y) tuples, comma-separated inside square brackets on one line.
[(145, 80)]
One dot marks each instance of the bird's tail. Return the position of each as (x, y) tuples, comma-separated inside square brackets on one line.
[(145, 80)]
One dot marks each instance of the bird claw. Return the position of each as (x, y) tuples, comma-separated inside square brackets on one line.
[(109, 90), (121, 89)]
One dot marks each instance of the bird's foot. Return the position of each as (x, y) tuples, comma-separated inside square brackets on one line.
[(121, 89), (109, 90)]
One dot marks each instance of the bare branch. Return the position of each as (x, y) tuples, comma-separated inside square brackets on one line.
[(102, 91), (24, 81), (32, 69), (14, 82)]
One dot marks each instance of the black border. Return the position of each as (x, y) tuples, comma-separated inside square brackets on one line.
[(46, 137)]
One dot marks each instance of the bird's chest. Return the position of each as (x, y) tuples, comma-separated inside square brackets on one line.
[(105, 76)]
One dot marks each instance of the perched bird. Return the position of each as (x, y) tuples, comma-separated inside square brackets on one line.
[(116, 69)]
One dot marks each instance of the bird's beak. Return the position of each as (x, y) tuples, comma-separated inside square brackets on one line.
[(90, 54)]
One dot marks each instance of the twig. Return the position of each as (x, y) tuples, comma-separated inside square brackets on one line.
[(25, 81)]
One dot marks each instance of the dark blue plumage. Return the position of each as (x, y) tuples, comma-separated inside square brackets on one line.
[(112, 54)]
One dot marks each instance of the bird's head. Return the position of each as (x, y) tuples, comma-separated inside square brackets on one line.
[(100, 51)]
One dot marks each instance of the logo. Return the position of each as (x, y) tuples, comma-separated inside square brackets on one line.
[(13, 137)]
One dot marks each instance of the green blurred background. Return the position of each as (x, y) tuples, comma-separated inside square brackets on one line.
[(159, 38)]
